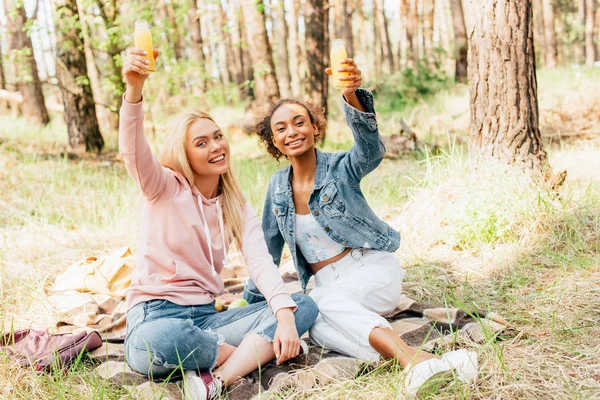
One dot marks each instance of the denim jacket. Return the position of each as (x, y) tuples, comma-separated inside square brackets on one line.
[(336, 202)]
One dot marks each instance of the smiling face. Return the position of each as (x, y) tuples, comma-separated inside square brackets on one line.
[(293, 132), (206, 148)]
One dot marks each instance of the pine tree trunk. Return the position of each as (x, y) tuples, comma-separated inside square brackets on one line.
[(266, 89), (280, 30), (460, 40), (71, 72), (295, 51), (384, 37), (317, 47), (503, 85), (33, 107), (590, 47), (550, 34)]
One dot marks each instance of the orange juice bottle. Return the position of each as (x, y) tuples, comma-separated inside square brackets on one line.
[(338, 53), (143, 41)]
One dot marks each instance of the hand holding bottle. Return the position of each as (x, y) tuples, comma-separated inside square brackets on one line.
[(135, 72), (350, 76)]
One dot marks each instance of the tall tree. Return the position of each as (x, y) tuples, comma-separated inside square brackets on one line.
[(296, 67), (21, 48), (503, 85), (590, 47), (550, 34), (197, 45), (317, 48), (460, 40), (265, 81), (384, 36), (71, 72), (280, 42)]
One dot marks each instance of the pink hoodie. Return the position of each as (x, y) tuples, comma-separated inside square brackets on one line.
[(176, 260)]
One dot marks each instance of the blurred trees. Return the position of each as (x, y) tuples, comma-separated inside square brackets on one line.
[(252, 51)]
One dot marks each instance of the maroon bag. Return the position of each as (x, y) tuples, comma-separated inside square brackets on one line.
[(42, 349)]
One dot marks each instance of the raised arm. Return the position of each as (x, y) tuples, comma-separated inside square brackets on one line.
[(368, 150), (140, 163)]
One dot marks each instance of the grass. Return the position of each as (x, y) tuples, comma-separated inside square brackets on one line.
[(483, 237)]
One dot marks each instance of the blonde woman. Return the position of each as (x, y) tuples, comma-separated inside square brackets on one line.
[(193, 210)]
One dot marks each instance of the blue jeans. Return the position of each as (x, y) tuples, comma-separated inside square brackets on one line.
[(163, 336)]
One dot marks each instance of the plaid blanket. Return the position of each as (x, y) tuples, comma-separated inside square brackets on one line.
[(97, 303), (419, 324)]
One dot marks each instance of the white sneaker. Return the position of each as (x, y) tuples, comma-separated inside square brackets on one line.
[(421, 373), (303, 347), (201, 386), (464, 363)]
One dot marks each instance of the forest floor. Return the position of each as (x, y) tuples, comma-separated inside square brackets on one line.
[(481, 237)]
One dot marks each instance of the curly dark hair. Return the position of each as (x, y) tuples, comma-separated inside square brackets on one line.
[(263, 128)]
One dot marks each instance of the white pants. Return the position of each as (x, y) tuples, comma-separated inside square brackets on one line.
[(352, 294)]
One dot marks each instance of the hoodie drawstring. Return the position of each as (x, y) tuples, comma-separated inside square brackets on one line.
[(208, 238)]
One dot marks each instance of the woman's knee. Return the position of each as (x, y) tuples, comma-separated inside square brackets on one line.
[(157, 348), (307, 311)]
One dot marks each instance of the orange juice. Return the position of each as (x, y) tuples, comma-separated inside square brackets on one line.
[(143, 41), (338, 53)]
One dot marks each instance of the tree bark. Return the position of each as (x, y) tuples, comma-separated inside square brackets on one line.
[(550, 34), (280, 34), (503, 85), (460, 40), (71, 72), (384, 36), (34, 106), (317, 47), (590, 47), (266, 89), (246, 63)]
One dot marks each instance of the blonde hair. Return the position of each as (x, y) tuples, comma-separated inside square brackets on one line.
[(173, 156)]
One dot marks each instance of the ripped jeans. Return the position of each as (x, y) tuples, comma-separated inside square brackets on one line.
[(163, 336)]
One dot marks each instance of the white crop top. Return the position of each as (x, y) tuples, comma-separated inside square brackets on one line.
[(313, 241)]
